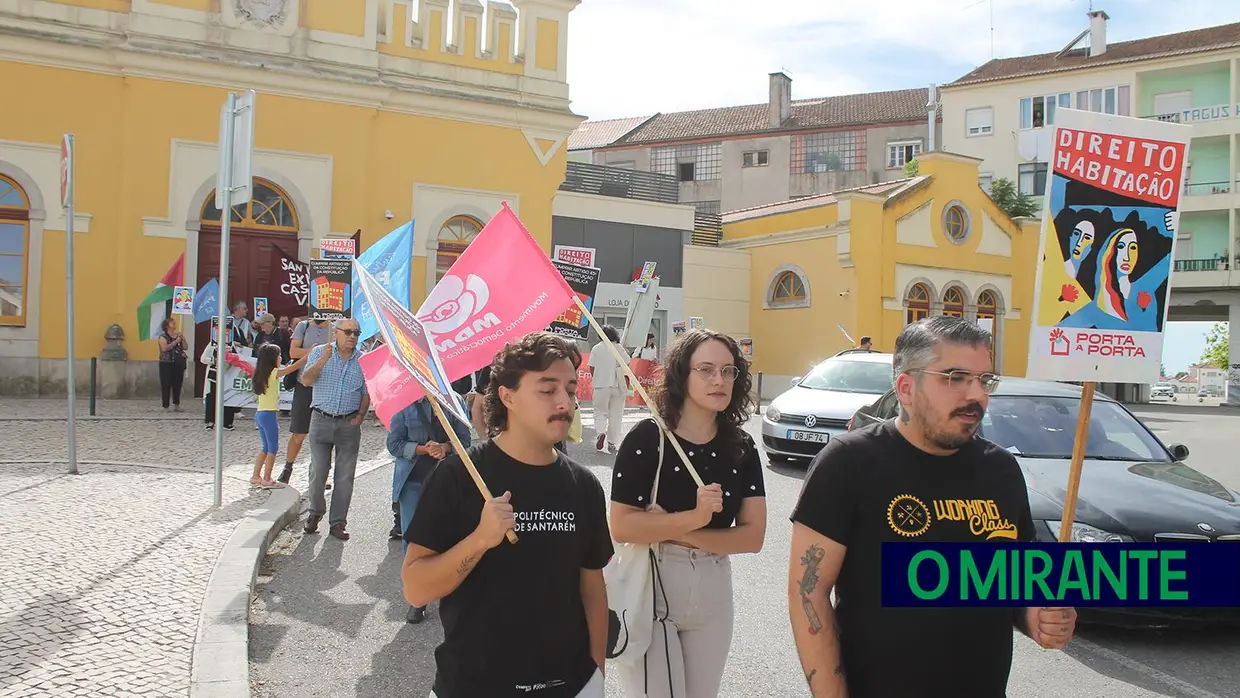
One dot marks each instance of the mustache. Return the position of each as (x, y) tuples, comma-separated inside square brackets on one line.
[(973, 409), (562, 417)]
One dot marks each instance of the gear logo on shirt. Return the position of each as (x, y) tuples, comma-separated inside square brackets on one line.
[(908, 516)]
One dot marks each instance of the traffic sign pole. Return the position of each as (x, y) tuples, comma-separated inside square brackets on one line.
[(66, 200)]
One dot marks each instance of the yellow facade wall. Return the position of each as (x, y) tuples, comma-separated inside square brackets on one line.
[(123, 162), (854, 283), (432, 39), (804, 219), (110, 5), (199, 5), (332, 15), (547, 46), (788, 341)]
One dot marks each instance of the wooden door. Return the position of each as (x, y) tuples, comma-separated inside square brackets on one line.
[(249, 273)]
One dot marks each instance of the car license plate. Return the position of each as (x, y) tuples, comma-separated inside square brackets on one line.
[(812, 436)]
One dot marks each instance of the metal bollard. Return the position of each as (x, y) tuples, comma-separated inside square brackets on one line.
[(758, 402), (94, 368)]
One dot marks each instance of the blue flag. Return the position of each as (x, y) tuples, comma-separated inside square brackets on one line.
[(390, 262), (207, 302)]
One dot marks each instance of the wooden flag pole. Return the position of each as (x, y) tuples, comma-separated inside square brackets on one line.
[(1078, 461), (469, 464), (637, 385)]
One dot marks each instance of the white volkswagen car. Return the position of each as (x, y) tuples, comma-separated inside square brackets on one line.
[(800, 422)]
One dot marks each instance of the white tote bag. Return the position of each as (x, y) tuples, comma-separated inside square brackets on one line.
[(630, 577)]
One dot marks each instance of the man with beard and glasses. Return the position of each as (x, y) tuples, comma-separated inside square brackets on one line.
[(924, 476), (526, 619)]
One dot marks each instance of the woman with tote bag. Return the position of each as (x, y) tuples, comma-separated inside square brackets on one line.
[(689, 531)]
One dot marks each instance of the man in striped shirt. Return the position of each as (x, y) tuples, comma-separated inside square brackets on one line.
[(338, 406)]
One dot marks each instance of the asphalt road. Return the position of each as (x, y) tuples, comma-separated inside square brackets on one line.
[(329, 616)]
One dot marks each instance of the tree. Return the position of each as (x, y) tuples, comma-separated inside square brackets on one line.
[(910, 168), (1006, 196), (1162, 370), (1216, 351)]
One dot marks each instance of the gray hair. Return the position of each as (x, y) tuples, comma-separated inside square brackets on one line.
[(916, 345), (340, 321)]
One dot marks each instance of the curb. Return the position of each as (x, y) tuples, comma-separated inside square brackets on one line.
[(221, 661)]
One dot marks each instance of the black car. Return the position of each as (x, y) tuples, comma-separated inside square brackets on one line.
[(1133, 487)]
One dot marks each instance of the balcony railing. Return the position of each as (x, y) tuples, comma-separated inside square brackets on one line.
[(585, 178), (1174, 117), (1207, 188), (1213, 264), (707, 229)]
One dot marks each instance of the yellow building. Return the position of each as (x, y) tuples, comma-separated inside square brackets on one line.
[(369, 113), (869, 261)]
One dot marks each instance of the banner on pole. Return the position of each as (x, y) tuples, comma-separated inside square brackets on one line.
[(260, 307), (584, 283), (409, 342), (288, 290), (330, 293), (337, 248), (183, 300), (1108, 236), (468, 318)]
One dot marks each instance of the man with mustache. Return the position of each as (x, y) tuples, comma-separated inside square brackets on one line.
[(924, 476), (526, 619)]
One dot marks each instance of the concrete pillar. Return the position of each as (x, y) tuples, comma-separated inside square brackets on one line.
[(1233, 355)]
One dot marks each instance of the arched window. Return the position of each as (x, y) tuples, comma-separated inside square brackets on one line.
[(918, 303), (988, 308), (454, 236), (14, 248), (953, 302), (268, 209), (788, 288)]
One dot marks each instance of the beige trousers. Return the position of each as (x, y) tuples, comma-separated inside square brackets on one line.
[(688, 650)]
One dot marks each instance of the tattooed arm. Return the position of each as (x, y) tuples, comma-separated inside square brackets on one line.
[(813, 567), (428, 576)]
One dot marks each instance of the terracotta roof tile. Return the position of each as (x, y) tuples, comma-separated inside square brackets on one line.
[(596, 134), (873, 108), (1167, 45)]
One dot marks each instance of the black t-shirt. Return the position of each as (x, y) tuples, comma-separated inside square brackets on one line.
[(516, 622), (873, 486), (632, 478)]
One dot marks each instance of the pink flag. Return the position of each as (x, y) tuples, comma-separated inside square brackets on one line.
[(500, 289)]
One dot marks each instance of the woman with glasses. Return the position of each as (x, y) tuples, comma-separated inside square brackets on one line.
[(703, 396)]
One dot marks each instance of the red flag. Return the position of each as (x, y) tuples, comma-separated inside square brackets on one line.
[(501, 288)]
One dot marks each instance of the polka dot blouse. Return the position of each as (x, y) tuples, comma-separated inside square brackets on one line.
[(633, 476)]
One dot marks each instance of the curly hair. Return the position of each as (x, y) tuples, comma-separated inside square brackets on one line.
[(533, 353), (672, 389)]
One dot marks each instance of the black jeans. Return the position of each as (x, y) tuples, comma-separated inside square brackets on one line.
[(229, 412), (171, 378)]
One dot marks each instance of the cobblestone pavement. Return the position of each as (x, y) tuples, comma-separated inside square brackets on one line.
[(103, 574), (34, 430)]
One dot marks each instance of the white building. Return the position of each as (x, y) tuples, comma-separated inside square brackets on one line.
[(1001, 112)]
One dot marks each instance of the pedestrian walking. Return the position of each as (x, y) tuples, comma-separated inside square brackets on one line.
[(307, 335), (704, 397), (530, 618), (209, 397), (417, 440), (610, 391), (338, 407), (887, 483), (172, 361), (266, 385)]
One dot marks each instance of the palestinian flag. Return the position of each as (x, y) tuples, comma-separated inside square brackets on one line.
[(158, 305)]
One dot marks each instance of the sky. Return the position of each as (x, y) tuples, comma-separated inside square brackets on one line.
[(639, 57)]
